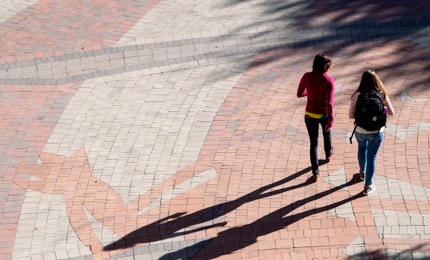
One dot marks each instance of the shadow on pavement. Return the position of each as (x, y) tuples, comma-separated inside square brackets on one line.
[(335, 26), (248, 234), (165, 228)]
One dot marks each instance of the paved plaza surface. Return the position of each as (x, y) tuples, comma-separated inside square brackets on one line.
[(148, 129)]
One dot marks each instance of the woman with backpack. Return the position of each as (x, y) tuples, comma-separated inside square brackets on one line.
[(318, 87), (369, 106)]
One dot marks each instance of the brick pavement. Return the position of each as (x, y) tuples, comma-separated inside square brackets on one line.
[(171, 130)]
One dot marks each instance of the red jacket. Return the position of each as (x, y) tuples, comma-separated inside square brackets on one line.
[(319, 88)]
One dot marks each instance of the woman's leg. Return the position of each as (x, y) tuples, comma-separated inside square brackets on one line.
[(375, 141), (312, 125), (328, 149), (362, 151)]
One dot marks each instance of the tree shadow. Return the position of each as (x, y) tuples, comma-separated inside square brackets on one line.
[(168, 227), (247, 235), (339, 25)]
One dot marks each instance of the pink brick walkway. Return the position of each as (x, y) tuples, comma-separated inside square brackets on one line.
[(141, 130)]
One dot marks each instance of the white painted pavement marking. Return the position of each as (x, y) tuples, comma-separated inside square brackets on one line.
[(138, 131), (344, 211), (404, 133), (44, 230), (389, 188), (404, 96), (105, 235), (402, 225), (338, 179), (356, 249), (181, 188), (407, 254), (11, 7), (178, 19)]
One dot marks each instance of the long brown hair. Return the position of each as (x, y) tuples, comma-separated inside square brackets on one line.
[(371, 82), (321, 63)]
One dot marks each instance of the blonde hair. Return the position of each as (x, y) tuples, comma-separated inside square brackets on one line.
[(371, 82)]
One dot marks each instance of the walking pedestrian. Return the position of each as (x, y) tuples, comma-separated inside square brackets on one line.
[(366, 111), (318, 87)]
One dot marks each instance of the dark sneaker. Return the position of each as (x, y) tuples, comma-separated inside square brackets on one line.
[(362, 176), (369, 189), (328, 159)]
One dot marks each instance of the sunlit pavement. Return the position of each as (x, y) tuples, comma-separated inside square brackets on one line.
[(170, 129)]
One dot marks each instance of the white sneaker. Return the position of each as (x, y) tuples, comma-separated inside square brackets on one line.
[(362, 176), (369, 189)]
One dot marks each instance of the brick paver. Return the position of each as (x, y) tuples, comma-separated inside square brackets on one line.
[(171, 130)]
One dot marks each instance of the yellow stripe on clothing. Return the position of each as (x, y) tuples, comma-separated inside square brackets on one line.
[(317, 116)]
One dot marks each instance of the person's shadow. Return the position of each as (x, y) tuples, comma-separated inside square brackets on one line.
[(168, 227), (272, 222)]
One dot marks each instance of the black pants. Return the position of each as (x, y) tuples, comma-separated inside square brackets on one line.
[(312, 124)]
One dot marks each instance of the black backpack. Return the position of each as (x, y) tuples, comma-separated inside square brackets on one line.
[(369, 112)]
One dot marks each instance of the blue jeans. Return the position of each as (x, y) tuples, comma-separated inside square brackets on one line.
[(312, 124), (368, 147)]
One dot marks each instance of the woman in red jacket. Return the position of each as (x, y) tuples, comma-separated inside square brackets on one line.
[(318, 87)]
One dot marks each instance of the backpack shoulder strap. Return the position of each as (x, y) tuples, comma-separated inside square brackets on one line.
[(353, 132)]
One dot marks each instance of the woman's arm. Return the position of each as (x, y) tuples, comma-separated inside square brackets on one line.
[(390, 108), (301, 90), (330, 103), (352, 105)]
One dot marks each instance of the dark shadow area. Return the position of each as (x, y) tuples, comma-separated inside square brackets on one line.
[(185, 253), (168, 227), (334, 26), (247, 235)]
